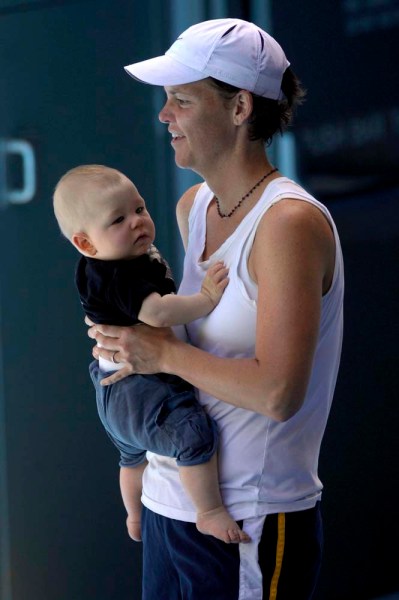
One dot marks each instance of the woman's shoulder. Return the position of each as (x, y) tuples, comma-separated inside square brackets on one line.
[(186, 200), (183, 209)]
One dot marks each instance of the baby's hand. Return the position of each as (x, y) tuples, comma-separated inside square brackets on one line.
[(215, 282)]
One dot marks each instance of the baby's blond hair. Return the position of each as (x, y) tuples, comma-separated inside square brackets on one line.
[(76, 191)]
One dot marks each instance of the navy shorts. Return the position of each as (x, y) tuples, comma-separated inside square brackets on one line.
[(179, 563)]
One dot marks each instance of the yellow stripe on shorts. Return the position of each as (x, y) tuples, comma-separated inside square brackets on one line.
[(279, 555)]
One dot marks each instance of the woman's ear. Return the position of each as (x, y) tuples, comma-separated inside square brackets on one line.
[(82, 242), (243, 107)]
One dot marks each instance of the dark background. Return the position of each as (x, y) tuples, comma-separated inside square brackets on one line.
[(344, 51), (63, 89)]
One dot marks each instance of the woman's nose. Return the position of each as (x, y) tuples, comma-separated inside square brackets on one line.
[(164, 114)]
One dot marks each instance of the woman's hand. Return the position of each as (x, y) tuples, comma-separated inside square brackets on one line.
[(140, 347)]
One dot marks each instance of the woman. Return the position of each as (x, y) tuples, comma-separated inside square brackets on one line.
[(265, 361)]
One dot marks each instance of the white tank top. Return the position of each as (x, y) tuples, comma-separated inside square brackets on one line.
[(264, 466)]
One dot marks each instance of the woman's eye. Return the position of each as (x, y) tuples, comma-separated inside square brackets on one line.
[(182, 102), (118, 220)]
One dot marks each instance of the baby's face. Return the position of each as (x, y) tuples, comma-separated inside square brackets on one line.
[(122, 227)]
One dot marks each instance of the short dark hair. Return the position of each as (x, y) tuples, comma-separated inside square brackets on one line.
[(269, 116)]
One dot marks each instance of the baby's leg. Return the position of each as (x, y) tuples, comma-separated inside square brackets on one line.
[(131, 487), (201, 483)]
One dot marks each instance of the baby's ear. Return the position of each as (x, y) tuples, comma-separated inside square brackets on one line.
[(82, 242)]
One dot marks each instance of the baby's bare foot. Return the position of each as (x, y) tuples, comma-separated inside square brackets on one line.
[(219, 523), (134, 529)]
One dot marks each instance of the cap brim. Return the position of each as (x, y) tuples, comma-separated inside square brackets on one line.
[(163, 70)]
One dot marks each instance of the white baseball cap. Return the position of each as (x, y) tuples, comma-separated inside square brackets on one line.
[(230, 50)]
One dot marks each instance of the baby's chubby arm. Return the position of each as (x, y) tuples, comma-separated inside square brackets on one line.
[(168, 310)]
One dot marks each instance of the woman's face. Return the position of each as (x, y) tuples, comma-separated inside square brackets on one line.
[(201, 125)]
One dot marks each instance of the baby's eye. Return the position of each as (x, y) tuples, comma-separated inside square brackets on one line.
[(118, 220), (139, 209)]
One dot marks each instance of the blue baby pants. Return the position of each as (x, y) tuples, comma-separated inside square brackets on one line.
[(158, 413)]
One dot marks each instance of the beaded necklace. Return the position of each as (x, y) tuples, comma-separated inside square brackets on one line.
[(233, 210)]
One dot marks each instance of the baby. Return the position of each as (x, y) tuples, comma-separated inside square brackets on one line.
[(122, 280)]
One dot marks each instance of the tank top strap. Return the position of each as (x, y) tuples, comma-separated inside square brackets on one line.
[(279, 189), (197, 220)]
